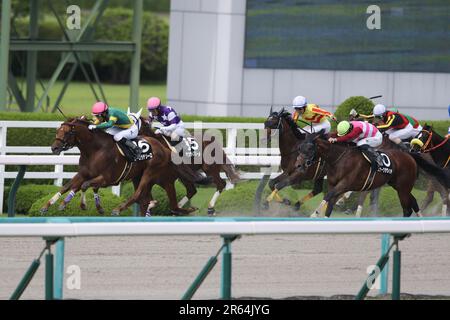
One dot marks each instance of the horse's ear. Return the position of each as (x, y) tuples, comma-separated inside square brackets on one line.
[(271, 110)]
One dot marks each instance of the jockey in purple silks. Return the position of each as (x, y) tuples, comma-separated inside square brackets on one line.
[(173, 126)]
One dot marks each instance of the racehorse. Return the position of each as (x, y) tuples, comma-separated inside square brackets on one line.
[(428, 142), (347, 168), (290, 139), (102, 164), (212, 169)]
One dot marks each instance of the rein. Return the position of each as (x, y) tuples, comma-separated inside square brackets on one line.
[(430, 135)]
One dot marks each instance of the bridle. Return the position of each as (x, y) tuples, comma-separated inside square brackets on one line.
[(430, 136), (65, 145)]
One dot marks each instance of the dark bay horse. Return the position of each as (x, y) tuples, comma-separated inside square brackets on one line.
[(347, 170), (290, 139), (101, 165), (430, 143), (211, 167)]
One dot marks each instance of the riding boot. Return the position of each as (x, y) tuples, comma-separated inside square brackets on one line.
[(134, 150), (373, 156)]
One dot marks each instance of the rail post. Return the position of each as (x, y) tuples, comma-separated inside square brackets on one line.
[(384, 276), (59, 269), (23, 284), (396, 267), (13, 191), (225, 288)]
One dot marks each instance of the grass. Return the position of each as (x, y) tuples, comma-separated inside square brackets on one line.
[(79, 97)]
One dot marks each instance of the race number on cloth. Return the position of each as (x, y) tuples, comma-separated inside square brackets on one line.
[(387, 164), (145, 148)]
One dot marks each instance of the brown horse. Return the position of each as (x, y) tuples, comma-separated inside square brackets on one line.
[(212, 169), (290, 138), (430, 143), (348, 170), (102, 164)]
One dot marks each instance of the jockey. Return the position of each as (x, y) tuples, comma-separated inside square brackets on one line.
[(397, 125), (312, 113), (173, 126), (119, 125), (364, 134)]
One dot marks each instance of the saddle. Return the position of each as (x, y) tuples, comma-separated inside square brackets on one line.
[(379, 161), (127, 149), (188, 146)]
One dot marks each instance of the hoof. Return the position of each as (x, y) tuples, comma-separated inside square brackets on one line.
[(61, 207), (314, 215), (192, 209), (148, 214), (101, 211), (211, 212), (83, 206), (43, 211), (179, 212), (297, 205), (115, 212), (286, 202), (265, 205)]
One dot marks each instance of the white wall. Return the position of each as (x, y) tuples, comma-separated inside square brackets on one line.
[(206, 74)]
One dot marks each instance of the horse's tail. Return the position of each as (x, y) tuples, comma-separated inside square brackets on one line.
[(230, 171), (185, 171), (443, 176)]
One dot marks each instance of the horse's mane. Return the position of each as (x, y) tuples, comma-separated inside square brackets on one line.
[(286, 115), (429, 128)]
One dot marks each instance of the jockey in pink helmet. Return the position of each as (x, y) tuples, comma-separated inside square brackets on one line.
[(118, 124), (173, 126)]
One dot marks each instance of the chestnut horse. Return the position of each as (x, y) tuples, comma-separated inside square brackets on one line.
[(212, 169), (347, 170), (102, 165)]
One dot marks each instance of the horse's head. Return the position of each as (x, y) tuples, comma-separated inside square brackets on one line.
[(422, 141), (307, 151), (67, 133), (279, 121)]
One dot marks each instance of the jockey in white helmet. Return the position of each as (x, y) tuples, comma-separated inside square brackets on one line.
[(313, 114)]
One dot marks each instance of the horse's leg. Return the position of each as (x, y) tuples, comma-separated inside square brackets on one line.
[(58, 195), (361, 199), (191, 190), (143, 185), (220, 185), (169, 187), (428, 198), (144, 200), (374, 197), (344, 198), (318, 187), (405, 201), (288, 181), (272, 184), (83, 205), (98, 204), (74, 188)]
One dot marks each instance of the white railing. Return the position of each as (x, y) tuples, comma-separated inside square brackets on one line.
[(42, 155)]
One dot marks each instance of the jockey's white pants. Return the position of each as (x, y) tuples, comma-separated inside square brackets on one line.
[(374, 142), (175, 132), (417, 130), (402, 134), (316, 127), (119, 133)]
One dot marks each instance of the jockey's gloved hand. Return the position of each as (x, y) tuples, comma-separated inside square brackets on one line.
[(332, 140), (353, 113), (92, 127)]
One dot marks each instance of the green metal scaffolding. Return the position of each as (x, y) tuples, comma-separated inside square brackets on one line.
[(78, 47)]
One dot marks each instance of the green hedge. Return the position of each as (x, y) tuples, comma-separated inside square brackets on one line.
[(27, 195), (361, 104), (108, 201)]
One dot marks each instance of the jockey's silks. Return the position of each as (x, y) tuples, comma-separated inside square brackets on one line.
[(393, 120), (361, 130), (115, 117), (166, 116), (315, 114)]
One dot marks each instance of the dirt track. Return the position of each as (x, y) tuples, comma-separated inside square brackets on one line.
[(263, 266)]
